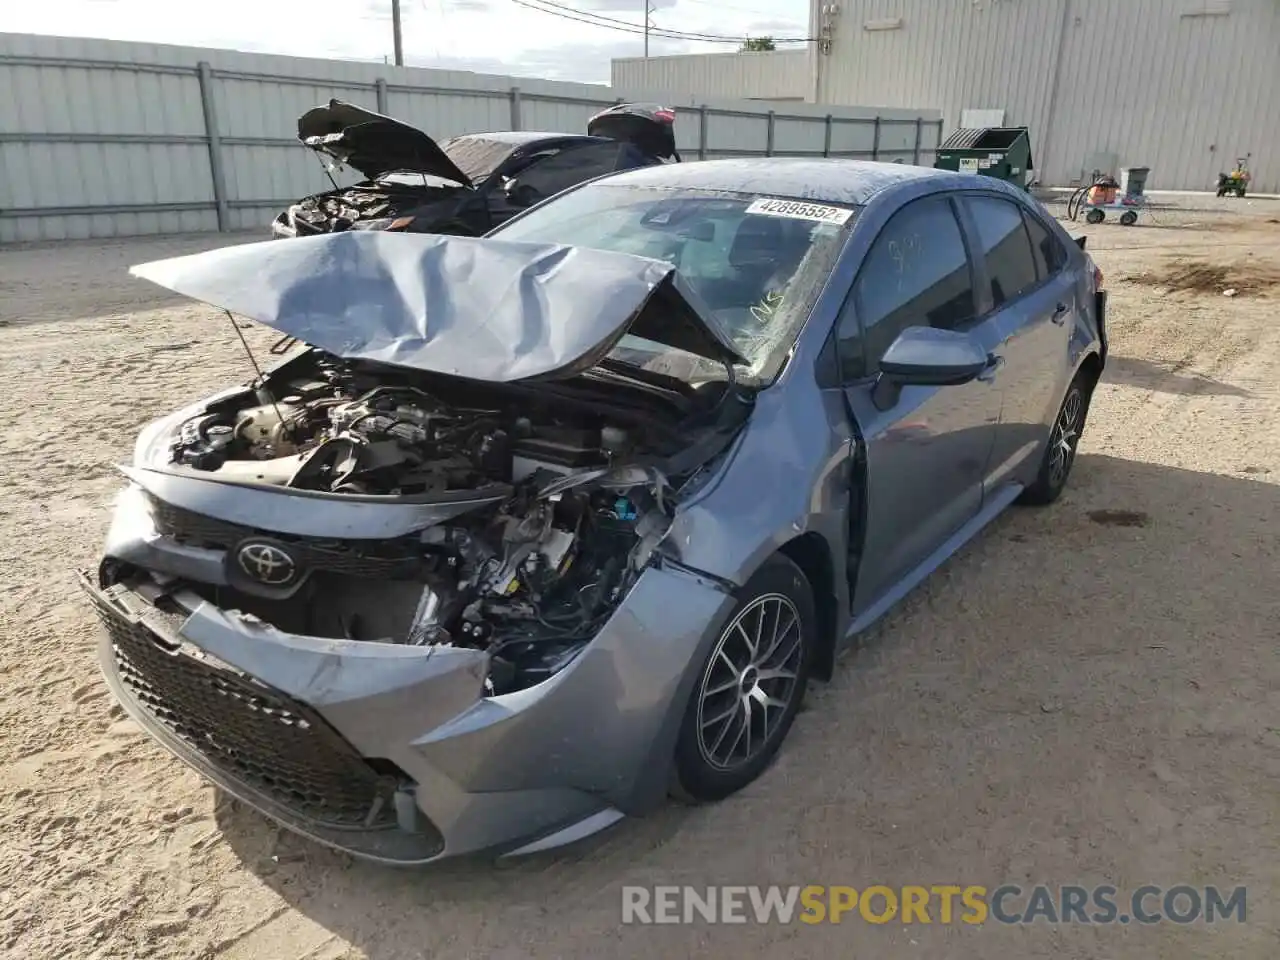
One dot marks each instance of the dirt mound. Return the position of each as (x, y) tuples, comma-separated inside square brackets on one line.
[(1199, 276)]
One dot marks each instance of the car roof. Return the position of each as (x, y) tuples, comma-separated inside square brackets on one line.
[(834, 180)]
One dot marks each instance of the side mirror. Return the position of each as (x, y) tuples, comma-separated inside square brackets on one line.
[(927, 356)]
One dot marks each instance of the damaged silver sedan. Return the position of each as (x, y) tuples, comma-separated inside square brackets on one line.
[(530, 531)]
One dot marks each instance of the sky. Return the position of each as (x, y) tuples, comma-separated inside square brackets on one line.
[(487, 36)]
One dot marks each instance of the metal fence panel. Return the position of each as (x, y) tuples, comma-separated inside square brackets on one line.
[(101, 138)]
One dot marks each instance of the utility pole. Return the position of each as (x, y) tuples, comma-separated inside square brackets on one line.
[(395, 32), (648, 22)]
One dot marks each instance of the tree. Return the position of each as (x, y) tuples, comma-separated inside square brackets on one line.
[(757, 44)]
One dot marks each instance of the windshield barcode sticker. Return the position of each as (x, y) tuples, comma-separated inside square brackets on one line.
[(799, 210)]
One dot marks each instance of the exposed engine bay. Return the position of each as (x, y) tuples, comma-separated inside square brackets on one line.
[(344, 427), (581, 492), (342, 209)]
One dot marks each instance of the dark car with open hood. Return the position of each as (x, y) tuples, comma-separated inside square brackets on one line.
[(466, 185)]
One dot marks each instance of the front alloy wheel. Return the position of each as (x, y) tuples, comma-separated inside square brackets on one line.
[(750, 686), (749, 681)]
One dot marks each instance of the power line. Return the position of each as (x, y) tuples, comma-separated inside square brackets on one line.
[(676, 34), (627, 26)]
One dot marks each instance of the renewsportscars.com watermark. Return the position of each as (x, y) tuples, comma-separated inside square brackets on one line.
[(937, 903)]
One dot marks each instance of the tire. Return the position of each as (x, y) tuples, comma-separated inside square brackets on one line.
[(716, 753), (1060, 451), (1240, 192), (1128, 218), (1094, 216)]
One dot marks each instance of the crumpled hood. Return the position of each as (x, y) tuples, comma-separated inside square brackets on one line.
[(374, 144), (485, 309)]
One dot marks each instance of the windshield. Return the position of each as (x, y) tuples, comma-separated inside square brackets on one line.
[(757, 264)]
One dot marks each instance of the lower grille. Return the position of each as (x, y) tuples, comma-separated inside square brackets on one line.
[(260, 736)]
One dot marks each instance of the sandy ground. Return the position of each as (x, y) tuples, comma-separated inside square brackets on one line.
[(1089, 693)]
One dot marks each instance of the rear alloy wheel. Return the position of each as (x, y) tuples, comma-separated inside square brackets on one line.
[(1060, 454), (750, 686)]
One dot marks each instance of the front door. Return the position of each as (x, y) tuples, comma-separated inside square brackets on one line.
[(928, 450)]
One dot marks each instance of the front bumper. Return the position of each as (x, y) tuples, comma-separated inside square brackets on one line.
[(392, 752)]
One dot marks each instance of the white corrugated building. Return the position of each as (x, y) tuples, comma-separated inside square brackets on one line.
[(1182, 86)]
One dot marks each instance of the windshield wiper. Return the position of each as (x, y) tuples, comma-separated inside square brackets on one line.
[(619, 369)]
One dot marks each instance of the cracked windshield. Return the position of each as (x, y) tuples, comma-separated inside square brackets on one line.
[(755, 264)]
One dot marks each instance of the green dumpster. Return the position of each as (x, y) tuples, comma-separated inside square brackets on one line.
[(1000, 152)]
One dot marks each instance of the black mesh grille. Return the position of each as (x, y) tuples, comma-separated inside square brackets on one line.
[(257, 735), (374, 560)]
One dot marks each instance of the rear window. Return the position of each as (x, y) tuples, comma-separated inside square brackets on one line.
[(1048, 252), (475, 156), (1005, 247)]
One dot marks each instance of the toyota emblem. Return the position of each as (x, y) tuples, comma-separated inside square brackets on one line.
[(266, 563)]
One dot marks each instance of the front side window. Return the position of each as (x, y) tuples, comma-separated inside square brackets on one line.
[(757, 274), (1005, 248), (915, 274)]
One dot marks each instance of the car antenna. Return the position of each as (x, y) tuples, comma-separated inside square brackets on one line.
[(263, 394)]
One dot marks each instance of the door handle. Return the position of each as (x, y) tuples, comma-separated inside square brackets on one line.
[(1059, 314), (988, 373)]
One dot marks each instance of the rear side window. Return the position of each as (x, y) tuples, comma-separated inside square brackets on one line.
[(915, 274), (1005, 247), (1048, 252)]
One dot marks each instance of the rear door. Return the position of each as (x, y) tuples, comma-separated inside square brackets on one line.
[(928, 453), (1027, 300)]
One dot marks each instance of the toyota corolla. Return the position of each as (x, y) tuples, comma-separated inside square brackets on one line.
[(530, 531)]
